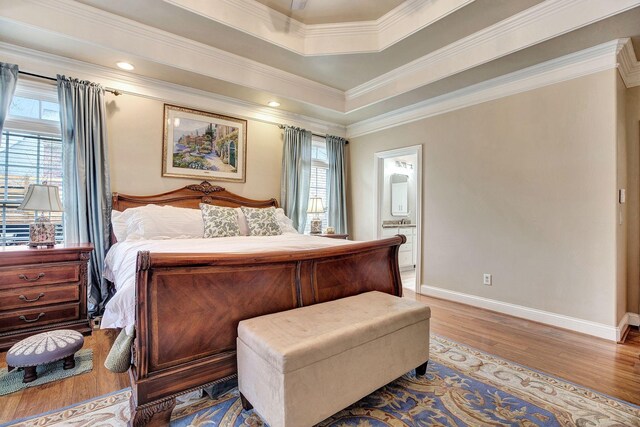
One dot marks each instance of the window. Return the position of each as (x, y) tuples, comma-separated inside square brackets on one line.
[(30, 153), (319, 168)]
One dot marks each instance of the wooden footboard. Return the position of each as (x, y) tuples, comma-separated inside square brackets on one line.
[(189, 307)]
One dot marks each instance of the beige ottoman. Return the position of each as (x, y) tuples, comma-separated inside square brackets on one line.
[(301, 366)]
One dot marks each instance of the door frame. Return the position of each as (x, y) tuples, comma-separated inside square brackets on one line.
[(378, 168)]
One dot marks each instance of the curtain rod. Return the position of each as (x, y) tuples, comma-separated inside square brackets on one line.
[(53, 79), (281, 126)]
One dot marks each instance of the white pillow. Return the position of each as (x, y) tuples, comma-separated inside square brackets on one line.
[(157, 222), (286, 224), (242, 222)]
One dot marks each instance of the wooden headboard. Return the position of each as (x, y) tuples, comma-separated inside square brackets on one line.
[(190, 197)]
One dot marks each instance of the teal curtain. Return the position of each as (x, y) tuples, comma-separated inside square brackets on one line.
[(336, 187), (8, 81), (86, 190), (296, 175)]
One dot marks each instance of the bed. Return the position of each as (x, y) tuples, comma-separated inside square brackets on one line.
[(185, 298)]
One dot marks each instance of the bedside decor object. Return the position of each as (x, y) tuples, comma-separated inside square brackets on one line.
[(198, 144), (42, 198), (316, 207), (44, 348), (42, 290), (330, 230)]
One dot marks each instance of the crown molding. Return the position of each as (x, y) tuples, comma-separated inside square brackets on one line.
[(91, 25), (49, 64), (323, 39), (628, 65), (527, 28), (595, 59), (79, 22)]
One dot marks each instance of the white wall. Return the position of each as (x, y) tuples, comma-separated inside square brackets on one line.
[(524, 188)]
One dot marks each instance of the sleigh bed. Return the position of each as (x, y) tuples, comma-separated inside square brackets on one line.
[(188, 305)]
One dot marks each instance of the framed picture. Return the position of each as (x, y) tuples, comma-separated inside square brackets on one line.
[(203, 145)]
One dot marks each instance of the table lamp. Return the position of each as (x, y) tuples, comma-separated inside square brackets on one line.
[(42, 198), (316, 207)]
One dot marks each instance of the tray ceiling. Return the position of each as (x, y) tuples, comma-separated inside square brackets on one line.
[(465, 43)]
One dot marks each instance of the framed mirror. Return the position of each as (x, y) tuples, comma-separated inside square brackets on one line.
[(399, 195)]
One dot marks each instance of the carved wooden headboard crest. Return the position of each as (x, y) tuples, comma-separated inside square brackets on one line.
[(190, 196)]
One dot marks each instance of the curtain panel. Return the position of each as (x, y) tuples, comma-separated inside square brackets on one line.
[(86, 188), (336, 186), (296, 175), (8, 81)]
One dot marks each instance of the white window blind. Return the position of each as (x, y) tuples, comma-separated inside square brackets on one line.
[(30, 153), (319, 168)]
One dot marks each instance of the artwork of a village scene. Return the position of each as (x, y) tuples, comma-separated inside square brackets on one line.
[(200, 145)]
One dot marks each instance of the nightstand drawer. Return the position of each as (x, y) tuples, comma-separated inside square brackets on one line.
[(34, 296), (39, 275), (19, 319)]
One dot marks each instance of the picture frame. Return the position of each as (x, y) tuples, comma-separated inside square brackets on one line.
[(202, 145)]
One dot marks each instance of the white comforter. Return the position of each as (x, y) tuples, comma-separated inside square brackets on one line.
[(120, 263)]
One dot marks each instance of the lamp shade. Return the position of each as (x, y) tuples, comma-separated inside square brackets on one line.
[(41, 197), (315, 205)]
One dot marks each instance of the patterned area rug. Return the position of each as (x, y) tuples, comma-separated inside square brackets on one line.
[(12, 381), (463, 387)]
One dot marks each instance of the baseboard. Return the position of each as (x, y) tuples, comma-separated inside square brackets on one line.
[(612, 333), (634, 319)]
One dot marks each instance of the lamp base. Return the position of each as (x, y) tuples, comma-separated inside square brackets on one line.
[(316, 226), (42, 234)]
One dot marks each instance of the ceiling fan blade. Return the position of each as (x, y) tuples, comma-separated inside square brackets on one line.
[(298, 4)]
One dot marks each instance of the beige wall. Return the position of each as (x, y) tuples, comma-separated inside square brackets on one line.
[(632, 110), (622, 228), (524, 188), (134, 126)]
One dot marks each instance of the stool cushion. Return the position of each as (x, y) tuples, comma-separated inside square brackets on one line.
[(292, 339), (45, 347)]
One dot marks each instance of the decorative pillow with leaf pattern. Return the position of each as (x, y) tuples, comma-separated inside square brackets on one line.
[(262, 221), (219, 221)]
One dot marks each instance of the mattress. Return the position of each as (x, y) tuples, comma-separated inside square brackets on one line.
[(120, 263)]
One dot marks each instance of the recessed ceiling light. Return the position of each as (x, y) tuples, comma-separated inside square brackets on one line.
[(273, 104), (125, 66)]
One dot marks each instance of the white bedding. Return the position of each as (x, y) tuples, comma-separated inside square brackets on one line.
[(120, 263)]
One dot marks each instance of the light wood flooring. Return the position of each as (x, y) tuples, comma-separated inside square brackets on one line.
[(602, 365)]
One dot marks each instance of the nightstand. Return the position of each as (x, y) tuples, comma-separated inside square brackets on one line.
[(333, 236), (42, 290)]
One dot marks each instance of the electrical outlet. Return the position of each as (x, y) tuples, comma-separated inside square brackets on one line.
[(486, 279)]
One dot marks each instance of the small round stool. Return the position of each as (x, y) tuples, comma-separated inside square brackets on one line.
[(44, 348)]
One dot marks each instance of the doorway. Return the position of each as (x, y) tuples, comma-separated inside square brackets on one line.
[(398, 207)]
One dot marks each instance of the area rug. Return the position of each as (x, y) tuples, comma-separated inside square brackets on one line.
[(12, 381), (463, 387)]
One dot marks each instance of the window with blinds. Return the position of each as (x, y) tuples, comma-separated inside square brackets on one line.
[(30, 153), (319, 168)]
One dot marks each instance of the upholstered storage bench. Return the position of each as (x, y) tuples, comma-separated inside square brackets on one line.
[(301, 366)]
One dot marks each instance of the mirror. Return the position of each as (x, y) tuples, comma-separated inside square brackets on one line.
[(399, 195)]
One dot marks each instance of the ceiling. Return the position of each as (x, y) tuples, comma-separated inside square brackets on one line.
[(339, 61), (331, 11)]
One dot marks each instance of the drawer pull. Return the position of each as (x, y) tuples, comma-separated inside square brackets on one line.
[(24, 319), (31, 279), (25, 299)]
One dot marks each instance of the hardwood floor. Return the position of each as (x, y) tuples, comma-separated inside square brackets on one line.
[(602, 365), (55, 395)]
